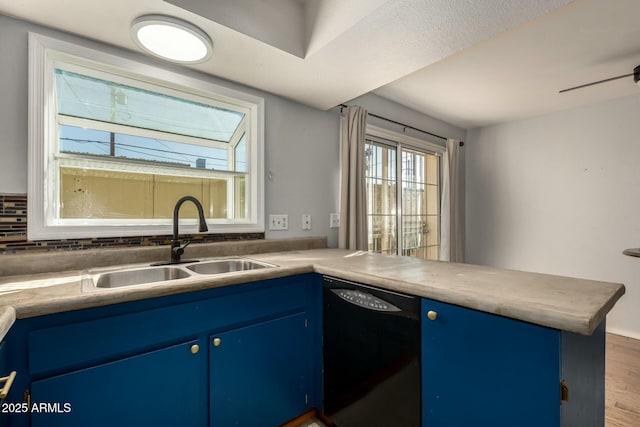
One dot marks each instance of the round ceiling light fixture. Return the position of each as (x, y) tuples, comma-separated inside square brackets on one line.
[(172, 39)]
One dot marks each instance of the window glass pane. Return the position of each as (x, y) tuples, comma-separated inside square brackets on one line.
[(433, 170), (96, 99), (241, 154), (380, 177), (418, 191), (92, 193), (126, 124), (420, 204), (241, 207), (76, 140)]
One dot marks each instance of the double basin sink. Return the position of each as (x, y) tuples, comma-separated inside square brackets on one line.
[(107, 279)]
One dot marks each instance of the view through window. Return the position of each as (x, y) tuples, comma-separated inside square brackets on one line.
[(403, 199), (129, 152)]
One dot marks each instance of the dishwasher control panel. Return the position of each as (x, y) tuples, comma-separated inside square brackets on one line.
[(365, 300)]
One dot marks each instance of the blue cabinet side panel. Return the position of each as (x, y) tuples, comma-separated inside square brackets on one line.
[(583, 369), (314, 311), (260, 375), (481, 369), (160, 388)]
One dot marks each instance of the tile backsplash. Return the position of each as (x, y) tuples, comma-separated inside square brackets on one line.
[(13, 233)]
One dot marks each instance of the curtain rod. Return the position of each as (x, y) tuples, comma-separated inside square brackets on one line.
[(401, 124)]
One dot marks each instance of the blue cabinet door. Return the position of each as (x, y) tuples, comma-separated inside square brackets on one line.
[(480, 369), (260, 374), (165, 387)]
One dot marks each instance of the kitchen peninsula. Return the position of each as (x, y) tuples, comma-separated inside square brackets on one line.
[(505, 343)]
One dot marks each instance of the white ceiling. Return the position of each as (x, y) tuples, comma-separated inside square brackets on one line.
[(470, 63), (519, 74)]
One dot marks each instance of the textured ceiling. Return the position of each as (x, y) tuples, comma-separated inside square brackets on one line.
[(519, 74), (468, 62)]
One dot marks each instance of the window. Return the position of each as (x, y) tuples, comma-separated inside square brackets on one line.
[(402, 177), (115, 143)]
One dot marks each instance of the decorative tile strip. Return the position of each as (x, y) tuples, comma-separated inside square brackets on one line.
[(13, 233)]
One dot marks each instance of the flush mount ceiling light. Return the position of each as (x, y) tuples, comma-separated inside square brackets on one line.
[(172, 39)]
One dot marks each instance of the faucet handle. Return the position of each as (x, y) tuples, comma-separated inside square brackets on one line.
[(177, 250)]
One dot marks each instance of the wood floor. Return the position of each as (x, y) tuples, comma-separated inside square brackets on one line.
[(622, 382)]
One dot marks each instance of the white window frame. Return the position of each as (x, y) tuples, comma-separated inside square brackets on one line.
[(43, 221), (399, 141)]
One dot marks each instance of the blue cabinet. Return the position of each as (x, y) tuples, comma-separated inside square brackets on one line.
[(153, 362), (259, 374), (161, 387), (483, 369), (258, 363)]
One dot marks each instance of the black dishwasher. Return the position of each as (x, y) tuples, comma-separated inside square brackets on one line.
[(371, 356)]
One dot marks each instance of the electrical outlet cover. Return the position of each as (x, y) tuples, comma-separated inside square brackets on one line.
[(334, 220), (306, 222), (279, 222)]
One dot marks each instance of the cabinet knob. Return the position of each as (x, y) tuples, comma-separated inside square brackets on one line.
[(432, 315), (195, 348), (217, 342)]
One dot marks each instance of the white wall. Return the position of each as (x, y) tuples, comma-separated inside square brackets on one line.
[(560, 194), (13, 106), (303, 159), (394, 111), (301, 143)]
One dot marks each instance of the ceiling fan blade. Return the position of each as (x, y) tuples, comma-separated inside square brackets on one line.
[(595, 83)]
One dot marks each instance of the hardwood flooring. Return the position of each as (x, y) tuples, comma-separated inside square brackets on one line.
[(622, 382)]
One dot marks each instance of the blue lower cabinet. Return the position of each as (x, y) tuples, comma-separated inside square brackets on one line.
[(152, 363), (260, 375), (160, 388), (480, 369)]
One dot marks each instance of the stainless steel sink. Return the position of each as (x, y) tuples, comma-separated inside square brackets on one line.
[(228, 265), (117, 279), (109, 278)]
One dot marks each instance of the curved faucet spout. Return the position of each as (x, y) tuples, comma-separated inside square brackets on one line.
[(176, 249), (203, 224)]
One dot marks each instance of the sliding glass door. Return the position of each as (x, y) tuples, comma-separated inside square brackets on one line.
[(403, 199)]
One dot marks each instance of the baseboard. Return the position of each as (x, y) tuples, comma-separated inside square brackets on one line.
[(624, 333)]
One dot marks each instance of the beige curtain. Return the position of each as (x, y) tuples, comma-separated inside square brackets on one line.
[(353, 204), (451, 217)]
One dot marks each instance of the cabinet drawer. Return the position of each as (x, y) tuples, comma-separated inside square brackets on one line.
[(81, 343)]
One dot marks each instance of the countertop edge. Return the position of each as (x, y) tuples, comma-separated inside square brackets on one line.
[(109, 297), (7, 319), (566, 322), (69, 295)]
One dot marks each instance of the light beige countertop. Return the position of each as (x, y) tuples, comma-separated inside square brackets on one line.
[(7, 317), (569, 304)]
